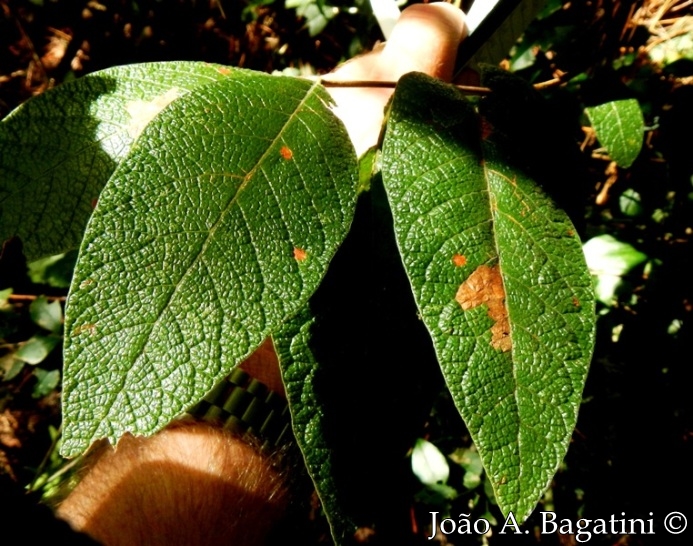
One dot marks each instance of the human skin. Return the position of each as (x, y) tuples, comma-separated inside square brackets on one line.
[(193, 483)]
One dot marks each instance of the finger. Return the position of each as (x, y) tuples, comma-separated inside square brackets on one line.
[(425, 39)]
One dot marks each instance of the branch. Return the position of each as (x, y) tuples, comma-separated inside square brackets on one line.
[(32, 297), (468, 89)]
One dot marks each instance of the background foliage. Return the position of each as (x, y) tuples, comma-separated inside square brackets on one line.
[(633, 444)]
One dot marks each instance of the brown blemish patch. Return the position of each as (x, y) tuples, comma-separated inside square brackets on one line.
[(576, 302), (224, 71), (459, 260), (286, 153), (86, 283), (300, 254), (485, 287), (91, 328)]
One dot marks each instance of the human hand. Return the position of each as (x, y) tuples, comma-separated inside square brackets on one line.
[(425, 39)]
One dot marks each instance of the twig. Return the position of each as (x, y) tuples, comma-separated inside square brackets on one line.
[(549, 83), (472, 90), (469, 89), (32, 297), (682, 6)]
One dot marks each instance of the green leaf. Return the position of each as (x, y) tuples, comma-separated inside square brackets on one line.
[(4, 298), (428, 463), (10, 366), (609, 260), (630, 203), (619, 126), (58, 150), (55, 270), (48, 316), (500, 281), (215, 229), (47, 381), (36, 349)]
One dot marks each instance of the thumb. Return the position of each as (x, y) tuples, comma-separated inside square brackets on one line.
[(425, 39)]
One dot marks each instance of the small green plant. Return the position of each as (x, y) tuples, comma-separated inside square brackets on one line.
[(47, 319), (215, 207)]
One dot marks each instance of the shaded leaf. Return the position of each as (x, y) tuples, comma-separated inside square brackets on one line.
[(361, 384), (299, 371), (55, 270), (494, 27), (619, 126), (630, 203), (58, 150), (10, 366), (500, 281), (47, 381), (215, 229)]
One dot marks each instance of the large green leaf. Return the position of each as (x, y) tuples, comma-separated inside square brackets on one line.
[(620, 127), (215, 229), (58, 150), (500, 281)]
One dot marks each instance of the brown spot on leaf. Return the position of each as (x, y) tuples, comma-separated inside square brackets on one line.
[(300, 254), (570, 233), (286, 153), (224, 71), (485, 287), (459, 260), (576, 302), (91, 328)]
